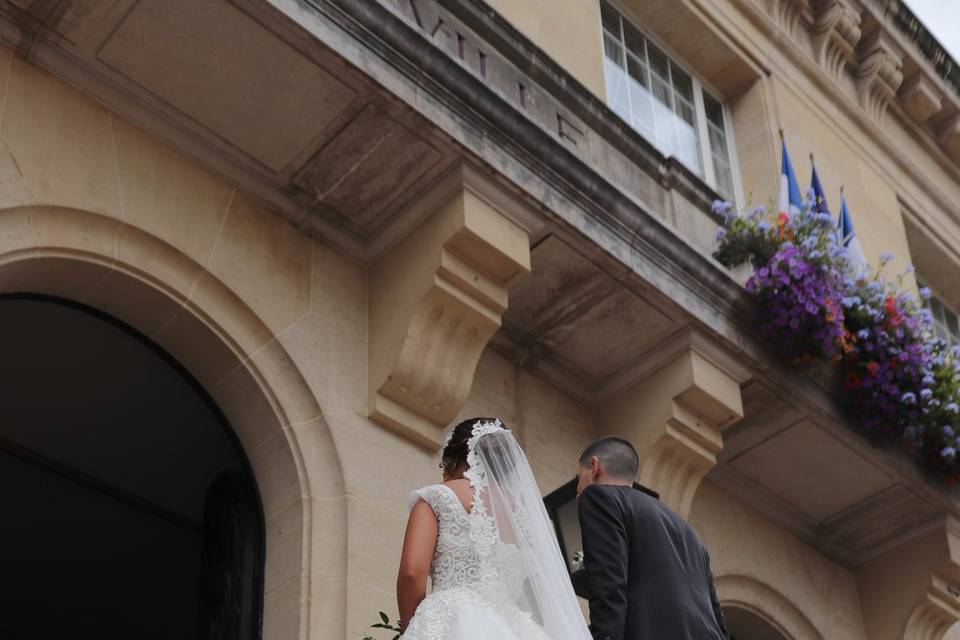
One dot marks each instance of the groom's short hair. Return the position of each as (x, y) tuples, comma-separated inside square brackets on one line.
[(618, 456)]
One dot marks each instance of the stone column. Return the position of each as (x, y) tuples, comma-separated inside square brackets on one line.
[(436, 298), (913, 591), (675, 417)]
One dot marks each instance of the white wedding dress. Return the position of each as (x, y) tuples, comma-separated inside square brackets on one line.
[(497, 571), (478, 580)]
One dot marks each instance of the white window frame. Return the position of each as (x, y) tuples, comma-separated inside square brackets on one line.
[(952, 339), (700, 112)]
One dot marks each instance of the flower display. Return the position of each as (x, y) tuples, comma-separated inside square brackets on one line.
[(889, 360), (799, 311), (900, 384)]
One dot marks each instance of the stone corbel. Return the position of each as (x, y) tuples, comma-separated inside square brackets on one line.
[(436, 299), (919, 99), (675, 418), (880, 74), (836, 33), (950, 138), (939, 609), (791, 14)]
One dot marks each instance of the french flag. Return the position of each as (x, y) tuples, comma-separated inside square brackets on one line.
[(790, 199), (855, 257)]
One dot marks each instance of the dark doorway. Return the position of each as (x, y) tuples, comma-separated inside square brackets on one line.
[(746, 625), (128, 507)]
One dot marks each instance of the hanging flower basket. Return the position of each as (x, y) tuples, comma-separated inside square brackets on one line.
[(863, 336)]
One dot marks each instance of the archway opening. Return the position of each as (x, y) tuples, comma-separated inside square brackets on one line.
[(129, 507), (743, 624)]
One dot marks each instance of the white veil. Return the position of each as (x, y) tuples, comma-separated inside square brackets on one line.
[(505, 488)]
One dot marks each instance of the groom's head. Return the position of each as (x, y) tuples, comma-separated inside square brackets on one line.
[(609, 460)]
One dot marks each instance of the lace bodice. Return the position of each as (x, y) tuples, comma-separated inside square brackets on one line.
[(469, 554)]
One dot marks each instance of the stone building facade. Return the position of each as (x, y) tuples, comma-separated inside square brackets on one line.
[(255, 255)]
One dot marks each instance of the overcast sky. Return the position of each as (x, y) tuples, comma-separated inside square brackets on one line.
[(942, 18)]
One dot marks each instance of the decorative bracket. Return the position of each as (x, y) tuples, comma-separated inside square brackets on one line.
[(436, 299), (940, 607), (919, 99), (836, 33), (880, 75), (791, 14), (675, 418)]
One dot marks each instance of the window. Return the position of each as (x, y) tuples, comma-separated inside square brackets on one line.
[(665, 103), (945, 322)]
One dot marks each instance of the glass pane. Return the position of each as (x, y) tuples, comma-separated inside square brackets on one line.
[(689, 151), (638, 71), (714, 111), (682, 83), (617, 89), (661, 91), (666, 129), (634, 40), (612, 49), (724, 177), (718, 142), (685, 111), (658, 61), (569, 522), (641, 107), (610, 18)]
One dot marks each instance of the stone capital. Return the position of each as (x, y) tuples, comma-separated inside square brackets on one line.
[(436, 299), (675, 418), (835, 33), (880, 74)]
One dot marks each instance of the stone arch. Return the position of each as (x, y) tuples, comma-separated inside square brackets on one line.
[(146, 283), (771, 606)]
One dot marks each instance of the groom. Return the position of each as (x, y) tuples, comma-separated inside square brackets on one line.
[(648, 572)]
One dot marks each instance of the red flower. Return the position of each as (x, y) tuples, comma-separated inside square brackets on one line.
[(873, 368), (852, 382)]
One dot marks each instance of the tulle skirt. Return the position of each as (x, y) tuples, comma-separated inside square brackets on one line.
[(463, 614)]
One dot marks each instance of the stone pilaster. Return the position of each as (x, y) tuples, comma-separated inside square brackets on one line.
[(436, 298), (675, 418), (880, 74), (835, 33)]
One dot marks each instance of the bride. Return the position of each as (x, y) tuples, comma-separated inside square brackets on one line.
[(484, 539)]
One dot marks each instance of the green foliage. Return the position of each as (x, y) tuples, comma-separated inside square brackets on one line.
[(385, 625)]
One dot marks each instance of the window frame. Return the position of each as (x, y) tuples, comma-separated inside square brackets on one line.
[(700, 87), (954, 338)]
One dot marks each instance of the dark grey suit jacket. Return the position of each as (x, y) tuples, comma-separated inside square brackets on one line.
[(648, 572)]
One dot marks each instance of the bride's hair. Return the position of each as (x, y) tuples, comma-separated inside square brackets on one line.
[(455, 453)]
